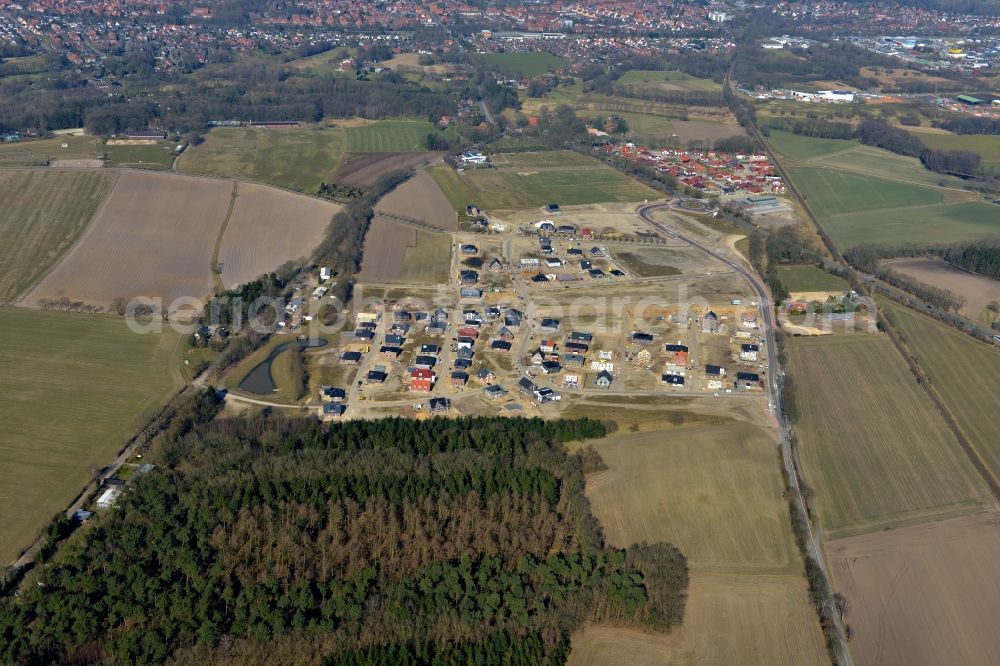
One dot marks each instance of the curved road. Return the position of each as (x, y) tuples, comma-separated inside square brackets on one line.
[(645, 213)]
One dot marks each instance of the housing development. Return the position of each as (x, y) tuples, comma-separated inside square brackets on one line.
[(414, 332)]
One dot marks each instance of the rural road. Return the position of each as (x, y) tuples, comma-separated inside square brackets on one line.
[(645, 213)]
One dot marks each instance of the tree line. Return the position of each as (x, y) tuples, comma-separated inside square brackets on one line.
[(980, 257), (366, 542)]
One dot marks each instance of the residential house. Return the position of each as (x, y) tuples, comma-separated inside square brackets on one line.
[(551, 367), (581, 336), (495, 266), (495, 391), (421, 380), (673, 380), (710, 322), (390, 352), (469, 249), (604, 379), (745, 380), (545, 394), (574, 359), (394, 340), (331, 394), (486, 375), (350, 358), (459, 379), (468, 277), (425, 362), (548, 345), (332, 410), (749, 352), (642, 338), (673, 349), (500, 345), (430, 349), (548, 325), (438, 405), (525, 385), (377, 377), (470, 292)]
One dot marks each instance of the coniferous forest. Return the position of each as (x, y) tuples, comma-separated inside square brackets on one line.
[(368, 542)]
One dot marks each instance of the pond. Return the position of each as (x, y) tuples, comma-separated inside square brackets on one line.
[(260, 380)]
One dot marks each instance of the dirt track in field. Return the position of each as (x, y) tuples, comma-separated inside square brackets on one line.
[(422, 199), (269, 227), (364, 169), (978, 291), (928, 594), (153, 237), (385, 249)]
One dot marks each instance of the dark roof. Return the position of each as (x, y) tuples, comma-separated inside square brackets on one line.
[(500, 344), (351, 356), (749, 347), (463, 363), (675, 348), (464, 376), (675, 380), (713, 369), (747, 377), (376, 376), (426, 360)]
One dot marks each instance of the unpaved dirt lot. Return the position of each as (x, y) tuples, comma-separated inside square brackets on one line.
[(928, 594), (152, 237), (699, 130), (385, 249), (420, 198), (364, 169), (269, 227), (979, 291)]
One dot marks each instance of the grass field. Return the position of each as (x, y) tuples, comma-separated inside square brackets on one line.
[(872, 447), (643, 128), (661, 80), (964, 372), (713, 491), (942, 224), (42, 216), (728, 620), (883, 164), (34, 153), (523, 64), (390, 136), (428, 261), (987, 145), (73, 386), (296, 158), (797, 147), (157, 156), (809, 278), (526, 185), (831, 192)]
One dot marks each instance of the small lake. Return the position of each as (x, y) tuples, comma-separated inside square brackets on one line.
[(260, 380)]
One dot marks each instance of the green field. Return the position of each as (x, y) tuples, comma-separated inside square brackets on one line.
[(809, 278), (525, 185), (390, 136), (987, 145), (964, 372), (713, 491), (872, 446), (942, 224), (523, 64), (158, 156), (428, 261), (38, 152), (661, 80), (883, 164), (834, 192), (798, 147), (42, 216), (73, 387), (297, 158)]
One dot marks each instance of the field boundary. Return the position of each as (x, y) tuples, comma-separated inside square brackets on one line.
[(216, 276), (949, 419), (69, 250)]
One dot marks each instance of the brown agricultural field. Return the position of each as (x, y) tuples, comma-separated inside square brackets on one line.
[(729, 619), (268, 227), (927, 594), (700, 130), (385, 249), (364, 169), (398, 252), (978, 291), (420, 198), (153, 237)]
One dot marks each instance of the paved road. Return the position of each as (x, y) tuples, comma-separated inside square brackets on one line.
[(774, 395)]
